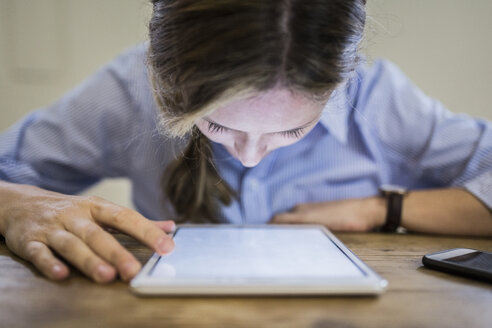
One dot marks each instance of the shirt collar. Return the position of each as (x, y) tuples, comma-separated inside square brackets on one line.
[(336, 113)]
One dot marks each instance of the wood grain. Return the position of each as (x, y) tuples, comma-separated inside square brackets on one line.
[(416, 297)]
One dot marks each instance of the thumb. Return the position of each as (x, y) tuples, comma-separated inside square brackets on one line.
[(283, 218)]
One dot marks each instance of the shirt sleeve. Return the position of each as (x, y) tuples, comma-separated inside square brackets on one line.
[(80, 139), (423, 144)]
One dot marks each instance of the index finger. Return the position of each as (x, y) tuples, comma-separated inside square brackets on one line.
[(132, 223)]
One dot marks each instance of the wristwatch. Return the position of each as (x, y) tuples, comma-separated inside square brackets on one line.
[(394, 196)]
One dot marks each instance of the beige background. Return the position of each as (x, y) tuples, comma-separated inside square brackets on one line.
[(49, 46)]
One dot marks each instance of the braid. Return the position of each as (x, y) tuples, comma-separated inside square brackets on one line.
[(193, 185)]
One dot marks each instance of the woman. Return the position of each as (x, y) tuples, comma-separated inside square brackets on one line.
[(266, 114)]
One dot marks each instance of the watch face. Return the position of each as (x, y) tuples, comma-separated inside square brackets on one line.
[(387, 188)]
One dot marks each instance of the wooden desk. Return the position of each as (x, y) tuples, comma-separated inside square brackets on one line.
[(417, 297)]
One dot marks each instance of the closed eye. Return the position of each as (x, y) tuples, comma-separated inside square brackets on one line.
[(215, 128), (294, 133)]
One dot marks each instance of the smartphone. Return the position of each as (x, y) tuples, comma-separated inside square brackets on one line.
[(462, 261)]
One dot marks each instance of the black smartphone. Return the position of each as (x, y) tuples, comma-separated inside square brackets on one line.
[(462, 261)]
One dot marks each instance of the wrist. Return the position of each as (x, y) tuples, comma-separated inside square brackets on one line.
[(377, 212), (10, 195), (5, 192), (394, 196)]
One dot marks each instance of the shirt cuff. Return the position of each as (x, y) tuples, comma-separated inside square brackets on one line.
[(481, 187)]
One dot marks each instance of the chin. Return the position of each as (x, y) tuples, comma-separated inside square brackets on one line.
[(250, 165)]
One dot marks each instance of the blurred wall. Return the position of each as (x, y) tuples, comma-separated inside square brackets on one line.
[(49, 46)]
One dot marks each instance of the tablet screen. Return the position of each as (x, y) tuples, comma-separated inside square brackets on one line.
[(254, 253)]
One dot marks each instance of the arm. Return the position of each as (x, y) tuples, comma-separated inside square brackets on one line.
[(452, 211), (81, 138), (447, 211), (65, 148)]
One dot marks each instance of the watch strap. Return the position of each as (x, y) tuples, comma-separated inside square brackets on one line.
[(393, 213)]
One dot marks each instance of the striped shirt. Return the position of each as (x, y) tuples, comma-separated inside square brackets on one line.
[(377, 128)]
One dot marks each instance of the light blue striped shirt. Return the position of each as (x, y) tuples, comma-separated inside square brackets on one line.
[(377, 128)]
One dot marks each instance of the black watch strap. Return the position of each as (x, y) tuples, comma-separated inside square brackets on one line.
[(394, 209)]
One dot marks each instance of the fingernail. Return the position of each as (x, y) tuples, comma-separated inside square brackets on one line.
[(104, 273), (129, 270), (165, 245), (57, 268), (57, 271)]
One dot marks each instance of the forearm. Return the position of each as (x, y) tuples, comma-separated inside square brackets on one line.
[(446, 211)]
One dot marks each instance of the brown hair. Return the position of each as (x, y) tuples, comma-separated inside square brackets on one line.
[(206, 52)]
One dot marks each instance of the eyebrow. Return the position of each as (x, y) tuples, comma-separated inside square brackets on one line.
[(294, 129)]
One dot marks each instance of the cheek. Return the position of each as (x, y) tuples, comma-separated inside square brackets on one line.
[(221, 138), (277, 142)]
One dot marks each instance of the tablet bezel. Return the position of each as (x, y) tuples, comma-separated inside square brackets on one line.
[(370, 284)]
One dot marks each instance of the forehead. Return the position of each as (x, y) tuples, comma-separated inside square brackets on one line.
[(271, 111)]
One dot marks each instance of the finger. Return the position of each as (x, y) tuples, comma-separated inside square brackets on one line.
[(133, 224), (81, 256), (43, 259), (167, 226), (284, 218), (106, 246)]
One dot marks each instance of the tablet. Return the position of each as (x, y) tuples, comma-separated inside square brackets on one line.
[(256, 260)]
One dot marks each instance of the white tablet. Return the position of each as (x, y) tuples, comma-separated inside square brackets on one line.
[(256, 259)]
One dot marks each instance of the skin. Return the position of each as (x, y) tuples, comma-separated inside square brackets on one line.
[(254, 127), (74, 226)]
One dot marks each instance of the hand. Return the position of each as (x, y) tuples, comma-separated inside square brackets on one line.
[(362, 214), (36, 222)]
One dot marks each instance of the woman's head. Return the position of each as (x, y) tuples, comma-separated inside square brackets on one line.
[(206, 53), (252, 75)]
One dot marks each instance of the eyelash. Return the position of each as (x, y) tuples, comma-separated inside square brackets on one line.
[(215, 128), (296, 133)]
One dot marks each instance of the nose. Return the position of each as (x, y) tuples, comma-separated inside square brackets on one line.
[(250, 150)]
